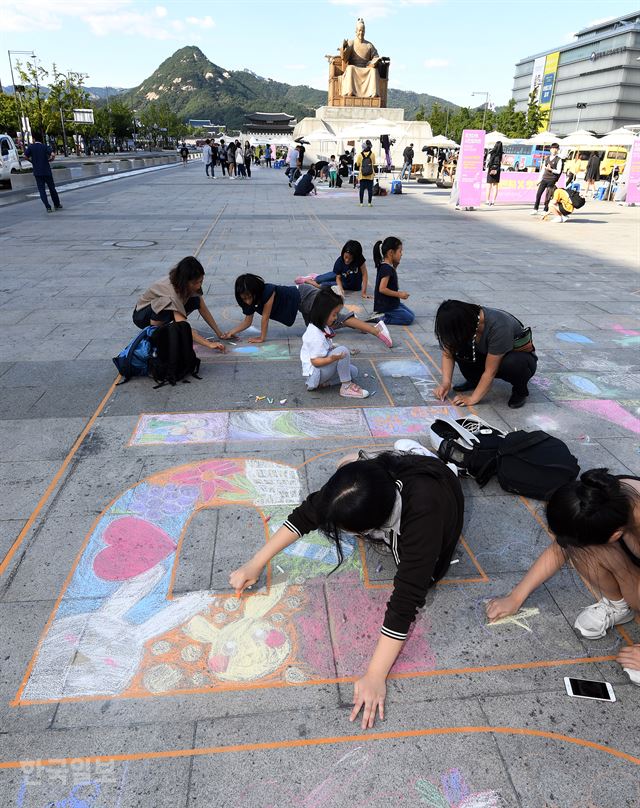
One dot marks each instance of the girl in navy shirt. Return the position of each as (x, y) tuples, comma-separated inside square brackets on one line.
[(282, 304), (349, 272), (388, 297)]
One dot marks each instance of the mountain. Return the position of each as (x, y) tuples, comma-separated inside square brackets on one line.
[(95, 93), (195, 87)]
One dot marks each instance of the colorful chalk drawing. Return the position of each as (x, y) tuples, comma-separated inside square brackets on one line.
[(265, 351), (118, 630), (455, 793), (520, 618), (612, 411), (629, 336), (343, 422), (570, 336), (569, 386), (421, 377)]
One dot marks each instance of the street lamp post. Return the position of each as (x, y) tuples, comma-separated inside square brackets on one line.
[(580, 106), (486, 105)]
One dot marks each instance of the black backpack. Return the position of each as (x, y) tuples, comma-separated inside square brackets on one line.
[(534, 464), (366, 166), (173, 357), (470, 443), (576, 200)]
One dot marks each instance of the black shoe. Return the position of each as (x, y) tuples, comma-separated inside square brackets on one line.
[(518, 398), (49, 210), (58, 207), (464, 387)]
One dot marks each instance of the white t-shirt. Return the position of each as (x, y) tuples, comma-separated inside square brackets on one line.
[(315, 345), (206, 154), (293, 157)]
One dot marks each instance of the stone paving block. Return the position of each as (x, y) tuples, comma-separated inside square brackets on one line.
[(22, 483)]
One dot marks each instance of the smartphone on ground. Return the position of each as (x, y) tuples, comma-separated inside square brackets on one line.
[(588, 689)]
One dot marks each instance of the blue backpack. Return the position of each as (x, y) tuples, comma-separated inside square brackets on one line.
[(134, 359)]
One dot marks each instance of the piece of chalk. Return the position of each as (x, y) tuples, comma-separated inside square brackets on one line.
[(279, 568), (379, 567), (456, 561), (233, 343), (283, 400)]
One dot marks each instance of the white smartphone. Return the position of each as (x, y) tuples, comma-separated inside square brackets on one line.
[(587, 689)]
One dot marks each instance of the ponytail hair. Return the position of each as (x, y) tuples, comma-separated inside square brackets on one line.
[(590, 510), (381, 248)]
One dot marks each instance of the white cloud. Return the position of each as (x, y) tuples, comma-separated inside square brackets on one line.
[(123, 17), (433, 64), (201, 22)]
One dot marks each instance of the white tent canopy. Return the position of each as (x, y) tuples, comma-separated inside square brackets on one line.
[(441, 142), (373, 129), (580, 138), (544, 138), (619, 137), (320, 134), (492, 138)]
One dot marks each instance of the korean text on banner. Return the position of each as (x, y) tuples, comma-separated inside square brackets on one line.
[(470, 166), (633, 183)]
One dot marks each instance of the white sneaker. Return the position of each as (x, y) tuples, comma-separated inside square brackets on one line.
[(565, 218), (557, 220), (384, 335), (534, 213), (594, 621), (352, 390)]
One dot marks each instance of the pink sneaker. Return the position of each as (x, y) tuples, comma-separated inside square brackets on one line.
[(352, 390), (384, 335), (306, 278)]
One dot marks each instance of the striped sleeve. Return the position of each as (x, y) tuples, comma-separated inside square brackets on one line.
[(304, 519)]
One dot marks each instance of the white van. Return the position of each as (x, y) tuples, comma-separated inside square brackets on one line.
[(9, 159)]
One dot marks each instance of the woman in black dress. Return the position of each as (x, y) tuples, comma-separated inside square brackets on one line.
[(494, 163), (592, 174)]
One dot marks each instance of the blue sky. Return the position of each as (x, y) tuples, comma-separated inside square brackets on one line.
[(448, 48)]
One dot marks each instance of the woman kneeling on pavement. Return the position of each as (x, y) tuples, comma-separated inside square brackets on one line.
[(173, 298), (407, 500), (486, 344), (596, 523)]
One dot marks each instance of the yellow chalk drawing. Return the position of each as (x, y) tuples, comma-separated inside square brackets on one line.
[(520, 618)]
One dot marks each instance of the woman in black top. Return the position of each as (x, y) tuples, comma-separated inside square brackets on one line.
[(592, 174), (596, 522), (494, 164), (486, 344), (304, 186), (409, 502)]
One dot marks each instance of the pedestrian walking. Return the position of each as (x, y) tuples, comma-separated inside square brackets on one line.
[(267, 155), (41, 157), (592, 174), (494, 165), (184, 153), (206, 156), (292, 161), (407, 156), (247, 158), (222, 156), (366, 164), (231, 159), (240, 164)]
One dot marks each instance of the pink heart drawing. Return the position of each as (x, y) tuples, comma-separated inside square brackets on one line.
[(133, 547)]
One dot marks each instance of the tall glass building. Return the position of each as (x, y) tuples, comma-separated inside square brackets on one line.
[(593, 82)]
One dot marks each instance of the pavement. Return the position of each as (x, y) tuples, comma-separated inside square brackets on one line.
[(130, 674)]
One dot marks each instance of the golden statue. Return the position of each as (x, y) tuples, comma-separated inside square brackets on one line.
[(358, 73)]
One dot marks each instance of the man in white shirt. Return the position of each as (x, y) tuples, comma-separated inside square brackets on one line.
[(206, 157), (292, 159)]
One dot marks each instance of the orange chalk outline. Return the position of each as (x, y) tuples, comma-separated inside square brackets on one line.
[(301, 743)]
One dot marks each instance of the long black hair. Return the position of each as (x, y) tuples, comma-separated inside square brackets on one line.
[(588, 511), (187, 270), (360, 496), (381, 248), (456, 324), (249, 284), (354, 248), (496, 152), (323, 304)]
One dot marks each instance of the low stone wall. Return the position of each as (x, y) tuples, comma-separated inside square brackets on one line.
[(63, 175)]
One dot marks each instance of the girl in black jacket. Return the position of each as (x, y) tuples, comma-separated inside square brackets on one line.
[(410, 502)]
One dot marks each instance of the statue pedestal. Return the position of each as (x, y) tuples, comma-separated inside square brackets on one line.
[(343, 119)]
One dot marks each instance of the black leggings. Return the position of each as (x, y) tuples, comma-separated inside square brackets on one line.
[(366, 185), (143, 317), (516, 367)]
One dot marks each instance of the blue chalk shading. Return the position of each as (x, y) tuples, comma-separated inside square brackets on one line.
[(584, 385), (403, 367), (570, 336)]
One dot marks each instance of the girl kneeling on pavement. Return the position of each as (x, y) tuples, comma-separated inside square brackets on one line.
[(387, 300), (410, 502), (596, 523), (172, 299), (486, 344), (324, 364)]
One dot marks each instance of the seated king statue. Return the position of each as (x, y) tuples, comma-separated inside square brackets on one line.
[(359, 64)]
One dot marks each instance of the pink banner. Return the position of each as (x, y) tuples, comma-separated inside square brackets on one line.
[(518, 186), (470, 168), (633, 183)]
